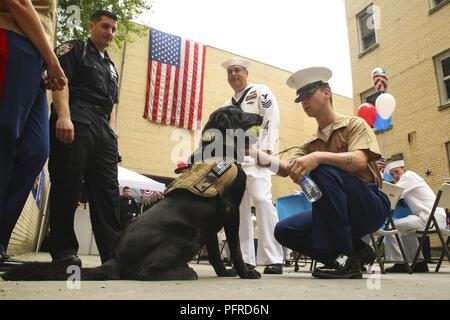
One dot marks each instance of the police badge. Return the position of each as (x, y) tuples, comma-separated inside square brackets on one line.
[(63, 49)]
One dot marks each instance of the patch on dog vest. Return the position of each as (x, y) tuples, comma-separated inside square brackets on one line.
[(206, 179)]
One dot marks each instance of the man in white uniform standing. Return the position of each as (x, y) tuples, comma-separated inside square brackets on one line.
[(420, 199), (257, 98)]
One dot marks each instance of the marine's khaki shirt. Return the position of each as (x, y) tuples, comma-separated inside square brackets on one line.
[(46, 10), (348, 133)]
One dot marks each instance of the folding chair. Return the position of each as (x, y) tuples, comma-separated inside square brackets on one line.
[(393, 192), (299, 256), (443, 201), (287, 206)]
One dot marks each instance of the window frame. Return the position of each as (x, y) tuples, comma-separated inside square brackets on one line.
[(447, 144), (359, 16), (443, 96), (363, 96), (436, 6)]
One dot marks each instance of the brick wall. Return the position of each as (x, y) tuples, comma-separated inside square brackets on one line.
[(409, 38)]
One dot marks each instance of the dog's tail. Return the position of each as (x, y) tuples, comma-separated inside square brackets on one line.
[(47, 271)]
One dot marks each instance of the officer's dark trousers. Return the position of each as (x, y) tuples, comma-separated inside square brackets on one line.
[(347, 211), (92, 157), (23, 127)]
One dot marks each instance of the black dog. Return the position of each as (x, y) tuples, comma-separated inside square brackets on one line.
[(159, 244)]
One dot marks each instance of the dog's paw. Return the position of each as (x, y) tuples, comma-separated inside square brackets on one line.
[(229, 273), (251, 274)]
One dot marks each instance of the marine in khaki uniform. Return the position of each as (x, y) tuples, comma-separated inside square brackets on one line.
[(340, 157), (28, 66)]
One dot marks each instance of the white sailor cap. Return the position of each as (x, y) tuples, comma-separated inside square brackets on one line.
[(236, 61), (393, 165), (309, 79)]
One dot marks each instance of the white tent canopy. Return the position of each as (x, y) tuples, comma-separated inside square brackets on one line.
[(134, 180)]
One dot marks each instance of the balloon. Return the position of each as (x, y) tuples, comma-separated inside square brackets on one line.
[(368, 112), (387, 177), (380, 79), (181, 164), (378, 70), (385, 105), (382, 124)]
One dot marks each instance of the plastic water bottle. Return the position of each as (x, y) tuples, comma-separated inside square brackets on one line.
[(310, 188)]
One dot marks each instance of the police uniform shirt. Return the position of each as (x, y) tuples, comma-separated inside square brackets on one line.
[(128, 206), (93, 79), (260, 100), (347, 134)]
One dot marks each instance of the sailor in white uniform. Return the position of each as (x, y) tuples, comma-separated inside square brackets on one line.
[(257, 98), (420, 199)]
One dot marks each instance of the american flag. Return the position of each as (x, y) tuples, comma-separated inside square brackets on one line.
[(175, 81)]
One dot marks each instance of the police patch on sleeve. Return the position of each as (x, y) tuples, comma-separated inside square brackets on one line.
[(208, 136), (63, 49)]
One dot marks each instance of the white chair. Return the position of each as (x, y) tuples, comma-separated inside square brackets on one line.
[(442, 201), (393, 192)]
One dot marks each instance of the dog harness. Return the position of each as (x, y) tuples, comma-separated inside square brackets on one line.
[(206, 179)]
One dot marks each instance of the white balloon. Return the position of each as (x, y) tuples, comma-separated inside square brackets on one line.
[(385, 105), (378, 70)]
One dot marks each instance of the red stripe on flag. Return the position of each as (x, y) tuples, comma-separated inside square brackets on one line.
[(3, 59), (184, 84), (194, 87), (178, 100), (166, 94), (200, 99), (173, 117), (156, 94), (147, 95)]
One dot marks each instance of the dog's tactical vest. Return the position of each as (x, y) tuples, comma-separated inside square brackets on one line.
[(206, 179)]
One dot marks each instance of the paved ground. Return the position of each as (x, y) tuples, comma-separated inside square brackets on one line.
[(290, 285)]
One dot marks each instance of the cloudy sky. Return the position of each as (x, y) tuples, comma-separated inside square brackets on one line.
[(289, 34)]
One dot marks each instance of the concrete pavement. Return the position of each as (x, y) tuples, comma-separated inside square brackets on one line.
[(289, 286)]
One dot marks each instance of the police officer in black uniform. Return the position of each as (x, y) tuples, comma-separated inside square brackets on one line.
[(83, 145), (129, 209)]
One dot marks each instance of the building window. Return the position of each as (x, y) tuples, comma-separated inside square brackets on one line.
[(370, 96), (443, 76), (448, 152), (366, 28), (396, 157), (435, 3)]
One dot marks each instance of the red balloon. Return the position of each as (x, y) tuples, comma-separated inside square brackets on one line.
[(368, 112), (181, 164)]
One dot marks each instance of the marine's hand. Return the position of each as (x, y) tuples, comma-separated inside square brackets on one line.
[(301, 166), (55, 78)]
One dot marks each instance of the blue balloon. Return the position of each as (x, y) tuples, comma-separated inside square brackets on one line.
[(387, 177), (381, 124)]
